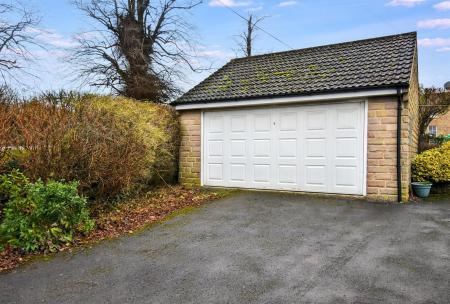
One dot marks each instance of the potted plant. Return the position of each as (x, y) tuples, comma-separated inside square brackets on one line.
[(421, 189)]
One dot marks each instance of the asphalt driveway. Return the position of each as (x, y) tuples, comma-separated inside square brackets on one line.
[(258, 248)]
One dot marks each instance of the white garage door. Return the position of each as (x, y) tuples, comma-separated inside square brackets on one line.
[(316, 148)]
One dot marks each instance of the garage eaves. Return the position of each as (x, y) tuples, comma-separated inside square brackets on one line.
[(289, 100)]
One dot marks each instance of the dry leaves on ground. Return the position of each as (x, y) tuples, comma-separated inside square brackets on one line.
[(128, 217)]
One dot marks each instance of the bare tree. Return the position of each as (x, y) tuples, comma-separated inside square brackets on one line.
[(140, 46), (246, 39), (16, 38), (433, 103)]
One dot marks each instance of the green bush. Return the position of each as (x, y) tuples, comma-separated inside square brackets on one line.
[(432, 165), (111, 145), (11, 185), (41, 216), (12, 160), (121, 144)]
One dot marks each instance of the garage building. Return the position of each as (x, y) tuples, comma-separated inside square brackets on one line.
[(339, 119)]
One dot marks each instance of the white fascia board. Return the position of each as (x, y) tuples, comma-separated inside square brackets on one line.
[(286, 100)]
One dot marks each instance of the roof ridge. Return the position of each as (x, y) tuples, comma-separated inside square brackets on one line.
[(328, 45)]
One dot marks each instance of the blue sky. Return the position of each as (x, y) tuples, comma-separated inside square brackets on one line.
[(300, 24)]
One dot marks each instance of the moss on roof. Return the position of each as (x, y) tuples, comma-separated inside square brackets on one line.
[(370, 63)]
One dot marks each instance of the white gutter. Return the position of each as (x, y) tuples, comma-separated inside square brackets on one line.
[(286, 100)]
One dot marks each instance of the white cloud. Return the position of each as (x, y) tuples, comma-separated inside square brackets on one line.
[(434, 23), (218, 54), (88, 35), (52, 38), (287, 3), (229, 3), (437, 42), (44, 54), (255, 9), (442, 6), (444, 49), (214, 51), (408, 3)]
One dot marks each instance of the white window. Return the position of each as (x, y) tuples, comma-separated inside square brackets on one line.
[(432, 130)]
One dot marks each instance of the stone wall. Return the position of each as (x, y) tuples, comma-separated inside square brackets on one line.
[(381, 149), (190, 162), (411, 102)]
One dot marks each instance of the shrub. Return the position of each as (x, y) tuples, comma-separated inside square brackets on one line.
[(6, 129), (119, 144), (13, 159), (110, 145), (41, 216), (39, 131), (154, 126), (11, 185), (432, 165)]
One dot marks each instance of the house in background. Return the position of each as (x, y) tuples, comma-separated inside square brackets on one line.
[(440, 125), (339, 118)]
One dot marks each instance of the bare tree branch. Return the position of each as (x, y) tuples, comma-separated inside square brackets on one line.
[(246, 39), (143, 46), (16, 38)]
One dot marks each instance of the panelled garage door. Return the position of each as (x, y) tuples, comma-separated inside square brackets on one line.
[(317, 148)]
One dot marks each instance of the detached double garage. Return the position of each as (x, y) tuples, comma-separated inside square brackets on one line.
[(307, 120), (317, 148)]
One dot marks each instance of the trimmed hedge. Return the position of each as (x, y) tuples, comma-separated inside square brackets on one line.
[(432, 165), (155, 127), (111, 145)]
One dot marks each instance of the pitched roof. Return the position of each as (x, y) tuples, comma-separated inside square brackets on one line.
[(363, 64)]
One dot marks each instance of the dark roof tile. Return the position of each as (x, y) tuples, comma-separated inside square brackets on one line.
[(370, 63)]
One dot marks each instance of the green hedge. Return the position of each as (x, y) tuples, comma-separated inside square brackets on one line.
[(432, 165), (155, 127)]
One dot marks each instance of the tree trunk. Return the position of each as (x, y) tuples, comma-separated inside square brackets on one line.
[(249, 35)]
